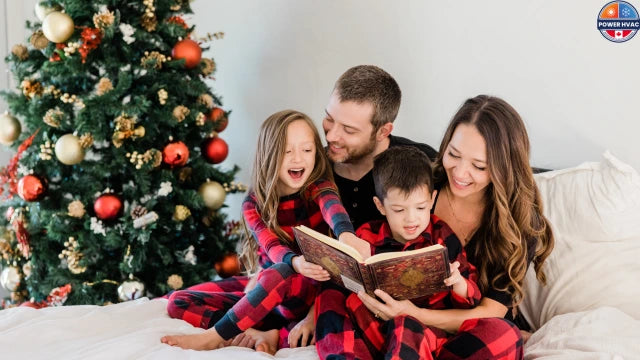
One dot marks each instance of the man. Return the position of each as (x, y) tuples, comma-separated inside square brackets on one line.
[(357, 126)]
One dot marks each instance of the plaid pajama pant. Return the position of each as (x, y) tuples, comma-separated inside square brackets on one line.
[(346, 329), (280, 299)]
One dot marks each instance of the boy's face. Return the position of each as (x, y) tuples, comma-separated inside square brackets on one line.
[(408, 215)]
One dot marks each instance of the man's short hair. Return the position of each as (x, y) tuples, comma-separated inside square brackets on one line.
[(402, 167), (371, 84)]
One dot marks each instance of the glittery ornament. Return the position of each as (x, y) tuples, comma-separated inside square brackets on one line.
[(180, 112), (181, 213), (175, 281), (20, 51), (76, 209)]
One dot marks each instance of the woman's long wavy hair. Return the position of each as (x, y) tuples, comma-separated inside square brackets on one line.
[(264, 177), (513, 211)]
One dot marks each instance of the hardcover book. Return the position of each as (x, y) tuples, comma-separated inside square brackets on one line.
[(403, 274)]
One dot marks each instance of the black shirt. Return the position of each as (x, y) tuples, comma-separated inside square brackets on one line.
[(357, 196)]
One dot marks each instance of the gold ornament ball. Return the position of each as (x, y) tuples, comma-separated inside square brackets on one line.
[(42, 10), (213, 194), (10, 278), (68, 149), (10, 129), (57, 27)]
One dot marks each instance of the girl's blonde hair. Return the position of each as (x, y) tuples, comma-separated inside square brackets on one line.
[(272, 142)]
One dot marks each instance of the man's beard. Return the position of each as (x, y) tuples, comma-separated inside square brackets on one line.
[(354, 155)]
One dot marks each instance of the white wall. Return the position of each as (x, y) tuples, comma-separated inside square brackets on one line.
[(576, 91)]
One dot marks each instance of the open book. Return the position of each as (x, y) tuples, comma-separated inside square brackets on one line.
[(402, 274)]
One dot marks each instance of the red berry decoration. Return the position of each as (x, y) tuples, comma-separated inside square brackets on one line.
[(175, 154), (215, 150), (107, 207), (188, 50), (32, 188), (218, 116)]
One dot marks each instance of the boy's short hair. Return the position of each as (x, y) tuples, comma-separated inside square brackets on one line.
[(371, 84), (402, 167)]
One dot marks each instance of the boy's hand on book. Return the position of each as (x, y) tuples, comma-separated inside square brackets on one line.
[(361, 246), (388, 309), (303, 333), (310, 270), (456, 280)]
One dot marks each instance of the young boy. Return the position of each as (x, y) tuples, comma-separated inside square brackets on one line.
[(358, 326)]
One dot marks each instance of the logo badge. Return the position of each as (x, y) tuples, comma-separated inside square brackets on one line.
[(618, 21)]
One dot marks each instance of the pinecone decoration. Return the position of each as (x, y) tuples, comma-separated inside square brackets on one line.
[(138, 211)]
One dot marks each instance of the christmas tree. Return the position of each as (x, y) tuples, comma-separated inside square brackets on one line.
[(112, 193)]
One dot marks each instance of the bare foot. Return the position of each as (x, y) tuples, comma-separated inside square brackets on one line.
[(265, 341), (208, 340), (241, 340)]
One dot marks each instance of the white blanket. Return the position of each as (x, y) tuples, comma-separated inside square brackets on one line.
[(603, 333), (130, 330)]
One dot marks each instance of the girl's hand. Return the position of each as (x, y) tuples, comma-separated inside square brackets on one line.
[(361, 246), (456, 280), (303, 332), (390, 308), (310, 270)]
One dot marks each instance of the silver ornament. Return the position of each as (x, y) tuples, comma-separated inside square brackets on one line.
[(130, 290), (10, 278)]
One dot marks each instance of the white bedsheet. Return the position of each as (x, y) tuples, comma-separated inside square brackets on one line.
[(132, 330), (129, 330), (603, 333)]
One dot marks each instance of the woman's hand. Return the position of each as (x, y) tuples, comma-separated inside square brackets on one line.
[(310, 270), (456, 280), (390, 308), (361, 246)]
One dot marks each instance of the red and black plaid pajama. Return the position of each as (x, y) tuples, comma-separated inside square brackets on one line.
[(346, 329), (280, 297)]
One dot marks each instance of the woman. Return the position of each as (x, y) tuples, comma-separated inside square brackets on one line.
[(489, 198)]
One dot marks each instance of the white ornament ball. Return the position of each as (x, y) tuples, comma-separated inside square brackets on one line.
[(42, 10), (68, 149), (57, 27), (10, 278), (130, 290)]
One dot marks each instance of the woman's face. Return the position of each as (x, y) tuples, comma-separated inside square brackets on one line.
[(465, 161)]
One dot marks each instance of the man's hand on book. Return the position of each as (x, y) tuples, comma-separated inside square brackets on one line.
[(456, 280), (361, 246), (310, 270), (388, 309)]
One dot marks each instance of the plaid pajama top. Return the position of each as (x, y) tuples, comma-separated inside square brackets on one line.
[(378, 234), (318, 208)]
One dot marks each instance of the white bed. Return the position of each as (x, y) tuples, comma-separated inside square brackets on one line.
[(590, 310)]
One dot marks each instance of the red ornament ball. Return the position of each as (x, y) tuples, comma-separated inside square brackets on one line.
[(175, 154), (107, 207), (218, 116), (228, 266), (215, 150), (188, 50), (32, 188)]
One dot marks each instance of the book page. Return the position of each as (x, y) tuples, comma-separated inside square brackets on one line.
[(396, 254), (331, 242)]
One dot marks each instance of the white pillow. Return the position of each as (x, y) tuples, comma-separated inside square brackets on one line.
[(594, 210)]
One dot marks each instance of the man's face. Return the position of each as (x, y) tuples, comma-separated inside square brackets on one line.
[(348, 130)]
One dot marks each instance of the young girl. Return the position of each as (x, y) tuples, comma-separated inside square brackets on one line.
[(292, 184)]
